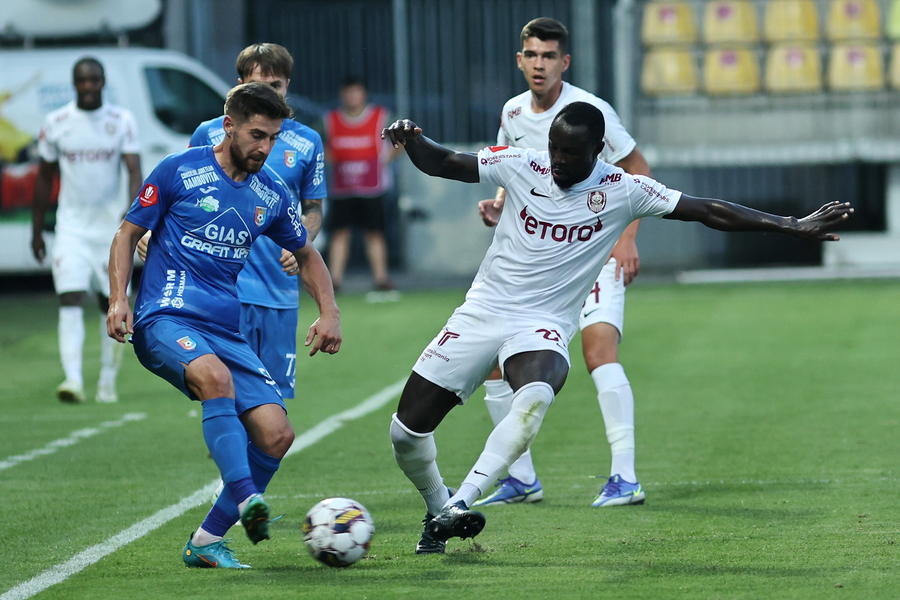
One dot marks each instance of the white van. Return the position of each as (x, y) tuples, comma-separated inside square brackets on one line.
[(169, 94)]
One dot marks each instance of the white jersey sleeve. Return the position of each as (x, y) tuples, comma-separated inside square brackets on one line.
[(619, 142), (130, 143), (499, 164), (46, 143), (650, 198)]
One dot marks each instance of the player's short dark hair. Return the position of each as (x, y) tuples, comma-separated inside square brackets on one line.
[(88, 60), (352, 81), (582, 113), (547, 30), (271, 59), (249, 99)]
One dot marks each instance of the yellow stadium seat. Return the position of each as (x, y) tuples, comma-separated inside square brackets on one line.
[(730, 71), (730, 21), (791, 21), (894, 75), (855, 67), (793, 68), (893, 23), (668, 23), (853, 20), (669, 71)]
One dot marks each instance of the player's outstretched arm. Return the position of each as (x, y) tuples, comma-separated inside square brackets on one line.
[(726, 216), (119, 318), (430, 157), (325, 333)]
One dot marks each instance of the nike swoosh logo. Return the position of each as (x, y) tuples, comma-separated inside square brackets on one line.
[(590, 312), (536, 193), (520, 137), (480, 473)]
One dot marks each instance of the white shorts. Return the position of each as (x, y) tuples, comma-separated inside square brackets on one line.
[(469, 346), (80, 265), (606, 301)]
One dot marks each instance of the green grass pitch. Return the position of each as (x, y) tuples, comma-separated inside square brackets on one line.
[(768, 430)]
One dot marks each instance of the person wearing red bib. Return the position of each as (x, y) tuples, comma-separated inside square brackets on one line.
[(360, 177)]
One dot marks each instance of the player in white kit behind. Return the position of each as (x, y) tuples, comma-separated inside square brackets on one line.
[(524, 123), (565, 209), (86, 141)]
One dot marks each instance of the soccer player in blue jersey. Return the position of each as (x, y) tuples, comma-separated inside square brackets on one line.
[(206, 205), (267, 287)]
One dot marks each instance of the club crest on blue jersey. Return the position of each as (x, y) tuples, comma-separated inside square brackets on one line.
[(187, 343), (290, 158), (260, 217)]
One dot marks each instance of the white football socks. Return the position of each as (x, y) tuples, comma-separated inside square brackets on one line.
[(110, 356), (415, 454), (202, 537), (509, 439), (71, 342), (498, 399), (617, 405)]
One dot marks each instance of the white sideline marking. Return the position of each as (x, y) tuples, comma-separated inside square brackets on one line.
[(94, 554), (73, 439)]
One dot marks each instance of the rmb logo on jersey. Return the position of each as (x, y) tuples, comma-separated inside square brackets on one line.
[(149, 195), (208, 203), (290, 158), (187, 343), (596, 201), (260, 217)]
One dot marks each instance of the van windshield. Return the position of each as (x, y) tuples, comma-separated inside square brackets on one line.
[(181, 101)]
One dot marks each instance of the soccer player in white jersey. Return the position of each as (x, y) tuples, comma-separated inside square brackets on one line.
[(524, 123), (85, 141), (565, 210)]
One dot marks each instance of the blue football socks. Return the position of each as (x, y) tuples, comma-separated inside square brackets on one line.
[(226, 439)]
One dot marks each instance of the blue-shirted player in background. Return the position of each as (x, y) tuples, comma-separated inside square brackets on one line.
[(267, 288), (206, 206)]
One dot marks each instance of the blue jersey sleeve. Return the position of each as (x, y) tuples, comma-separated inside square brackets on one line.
[(200, 136), (287, 229), (313, 184), (151, 204)]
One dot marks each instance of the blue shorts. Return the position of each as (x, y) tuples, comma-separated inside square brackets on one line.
[(272, 335), (164, 346)]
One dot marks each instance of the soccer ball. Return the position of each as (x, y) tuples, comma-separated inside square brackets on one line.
[(337, 531)]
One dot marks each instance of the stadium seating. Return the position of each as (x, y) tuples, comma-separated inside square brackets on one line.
[(730, 21), (853, 20), (791, 21), (855, 67), (669, 71), (793, 68), (730, 71), (668, 23)]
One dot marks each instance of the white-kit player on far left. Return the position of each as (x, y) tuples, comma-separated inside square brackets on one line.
[(86, 142)]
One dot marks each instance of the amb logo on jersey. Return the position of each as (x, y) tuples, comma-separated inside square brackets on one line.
[(290, 158)]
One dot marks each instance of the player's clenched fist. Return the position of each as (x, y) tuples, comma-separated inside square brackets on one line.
[(400, 132)]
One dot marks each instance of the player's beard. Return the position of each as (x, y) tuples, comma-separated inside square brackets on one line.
[(242, 161)]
